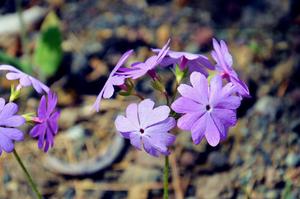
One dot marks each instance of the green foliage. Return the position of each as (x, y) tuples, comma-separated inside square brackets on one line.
[(6, 59), (48, 51)]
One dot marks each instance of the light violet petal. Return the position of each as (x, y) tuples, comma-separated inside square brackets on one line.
[(226, 117), (6, 144), (215, 90), (186, 105), (221, 126), (2, 103), (132, 114), (8, 110), (199, 82), (13, 76), (149, 117), (145, 109), (212, 134), (135, 140), (186, 121), (25, 81), (189, 92), (149, 148), (198, 129), (13, 121), (13, 134), (231, 102), (108, 91), (242, 88), (161, 127), (96, 105), (124, 125), (117, 80)]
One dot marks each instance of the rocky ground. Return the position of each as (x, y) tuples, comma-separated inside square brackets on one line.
[(260, 158)]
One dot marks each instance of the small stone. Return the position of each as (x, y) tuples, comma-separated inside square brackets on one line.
[(218, 161), (292, 160)]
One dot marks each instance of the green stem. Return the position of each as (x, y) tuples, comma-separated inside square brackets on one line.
[(166, 178), (29, 178)]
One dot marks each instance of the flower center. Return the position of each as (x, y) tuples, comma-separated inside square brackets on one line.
[(142, 131), (207, 107)]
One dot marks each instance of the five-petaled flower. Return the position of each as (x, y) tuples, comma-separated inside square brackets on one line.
[(224, 65), (8, 123), (209, 110), (147, 126), (24, 79), (113, 80), (46, 122), (139, 69), (194, 62)]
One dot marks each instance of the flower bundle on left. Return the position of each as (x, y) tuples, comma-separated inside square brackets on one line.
[(45, 120)]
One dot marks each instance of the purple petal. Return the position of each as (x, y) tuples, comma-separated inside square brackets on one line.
[(13, 121), (6, 144), (199, 82), (149, 148), (37, 130), (227, 117), (13, 76), (215, 90), (52, 101), (2, 103), (198, 129), (186, 105), (212, 134), (53, 122), (187, 120), (117, 80), (149, 116), (241, 86), (108, 90), (13, 134), (135, 140), (25, 81), (132, 114), (125, 125), (161, 127), (232, 102), (8, 110), (42, 110)]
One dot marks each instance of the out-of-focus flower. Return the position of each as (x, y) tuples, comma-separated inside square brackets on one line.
[(24, 79), (139, 69), (147, 126), (113, 80), (224, 65), (194, 62), (209, 110), (46, 122), (8, 123)]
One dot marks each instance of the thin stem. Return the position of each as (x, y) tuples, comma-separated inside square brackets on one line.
[(167, 98), (138, 95), (29, 178), (166, 178)]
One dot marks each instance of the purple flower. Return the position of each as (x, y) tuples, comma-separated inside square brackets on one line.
[(139, 69), (224, 64), (194, 62), (147, 127), (47, 122), (24, 79), (8, 122), (209, 110), (113, 80)]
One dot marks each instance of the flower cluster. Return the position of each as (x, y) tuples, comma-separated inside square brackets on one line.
[(46, 121), (206, 108)]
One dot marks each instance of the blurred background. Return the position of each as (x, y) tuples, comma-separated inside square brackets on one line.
[(73, 44)]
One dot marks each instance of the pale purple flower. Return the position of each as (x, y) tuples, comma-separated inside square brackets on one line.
[(147, 127), (8, 123), (224, 65), (209, 110), (46, 122), (194, 62), (24, 79), (113, 80), (139, 69)]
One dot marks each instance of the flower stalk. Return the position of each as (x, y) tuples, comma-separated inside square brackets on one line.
[(166, 178), (28, 176)]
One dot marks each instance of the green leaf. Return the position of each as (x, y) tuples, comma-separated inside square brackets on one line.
[(48, 51), (180, 75)]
